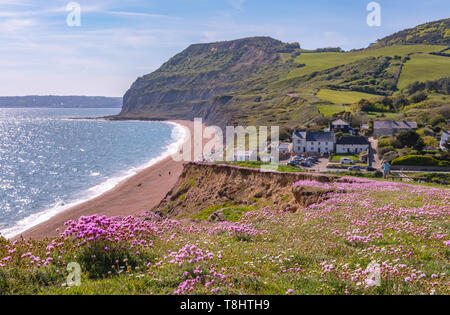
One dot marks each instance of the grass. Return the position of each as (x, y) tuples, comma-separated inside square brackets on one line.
[(424, 68), (383, 115), (329, 110), (257, 165), (344, 97), (321, 61), (337, 158), (231, 213), (437, 176)]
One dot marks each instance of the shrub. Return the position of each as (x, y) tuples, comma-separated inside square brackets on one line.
[(378, 174), (102, 258), (425, 132), (417, 160), (410, 139), (382, 151), (430, 142), (384, 142), (407, 151), (419, 97), (437, 120), (388, 157)]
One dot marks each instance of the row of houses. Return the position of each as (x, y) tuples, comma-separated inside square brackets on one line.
[(325, 142), (380, 127)]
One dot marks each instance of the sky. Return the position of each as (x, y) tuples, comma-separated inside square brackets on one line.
[(118, 41)]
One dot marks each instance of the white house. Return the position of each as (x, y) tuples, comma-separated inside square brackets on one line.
[(245, 156), (299, 142), (352, 145), (341, 125), (313, 142), (444, 139)]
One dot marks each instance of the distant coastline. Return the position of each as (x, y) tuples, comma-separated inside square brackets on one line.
[(54, 101)]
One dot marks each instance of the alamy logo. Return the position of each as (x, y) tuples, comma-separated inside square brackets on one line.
[(374, 274), (249, 143), (374, 17), (74, 17), (74, 277)]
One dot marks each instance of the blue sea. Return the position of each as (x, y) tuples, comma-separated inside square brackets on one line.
[(50, 162)]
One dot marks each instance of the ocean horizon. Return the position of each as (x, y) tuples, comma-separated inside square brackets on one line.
[(50, 162)]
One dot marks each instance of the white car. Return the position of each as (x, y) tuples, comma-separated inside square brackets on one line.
[(347, 161)]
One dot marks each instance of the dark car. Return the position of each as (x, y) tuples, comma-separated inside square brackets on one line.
[(355, 169), (370, 169), (293, 163)]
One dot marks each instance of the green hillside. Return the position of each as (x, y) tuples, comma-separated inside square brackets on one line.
[(343, 97), (263, 81), (435, 33), (320, 61), (424, 67)]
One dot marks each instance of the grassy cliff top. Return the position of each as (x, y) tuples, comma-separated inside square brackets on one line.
[(324, 248)]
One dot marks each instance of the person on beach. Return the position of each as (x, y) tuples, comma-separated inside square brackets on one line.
[(386, 169)]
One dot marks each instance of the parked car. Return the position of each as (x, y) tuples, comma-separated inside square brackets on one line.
[(292, 163), (355, 168), (370, 169), (306, 164), (347, 161)]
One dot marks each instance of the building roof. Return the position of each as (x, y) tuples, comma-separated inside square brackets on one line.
[(340, 122), (320, 137), (349, 140), (300, 134), (387, 124)]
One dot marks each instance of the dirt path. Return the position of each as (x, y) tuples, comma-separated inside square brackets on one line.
[(374, 161)]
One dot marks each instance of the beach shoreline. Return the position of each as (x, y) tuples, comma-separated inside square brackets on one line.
[(132, 196)]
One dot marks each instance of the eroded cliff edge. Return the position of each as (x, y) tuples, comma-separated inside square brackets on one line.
[(204, 190)]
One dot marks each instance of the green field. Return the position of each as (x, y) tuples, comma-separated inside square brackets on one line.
[(344, 97), (393, 116), (321, 61), (424, 68), (330, 109)]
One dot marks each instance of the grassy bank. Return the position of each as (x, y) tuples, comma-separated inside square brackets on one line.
[(324, 249)]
